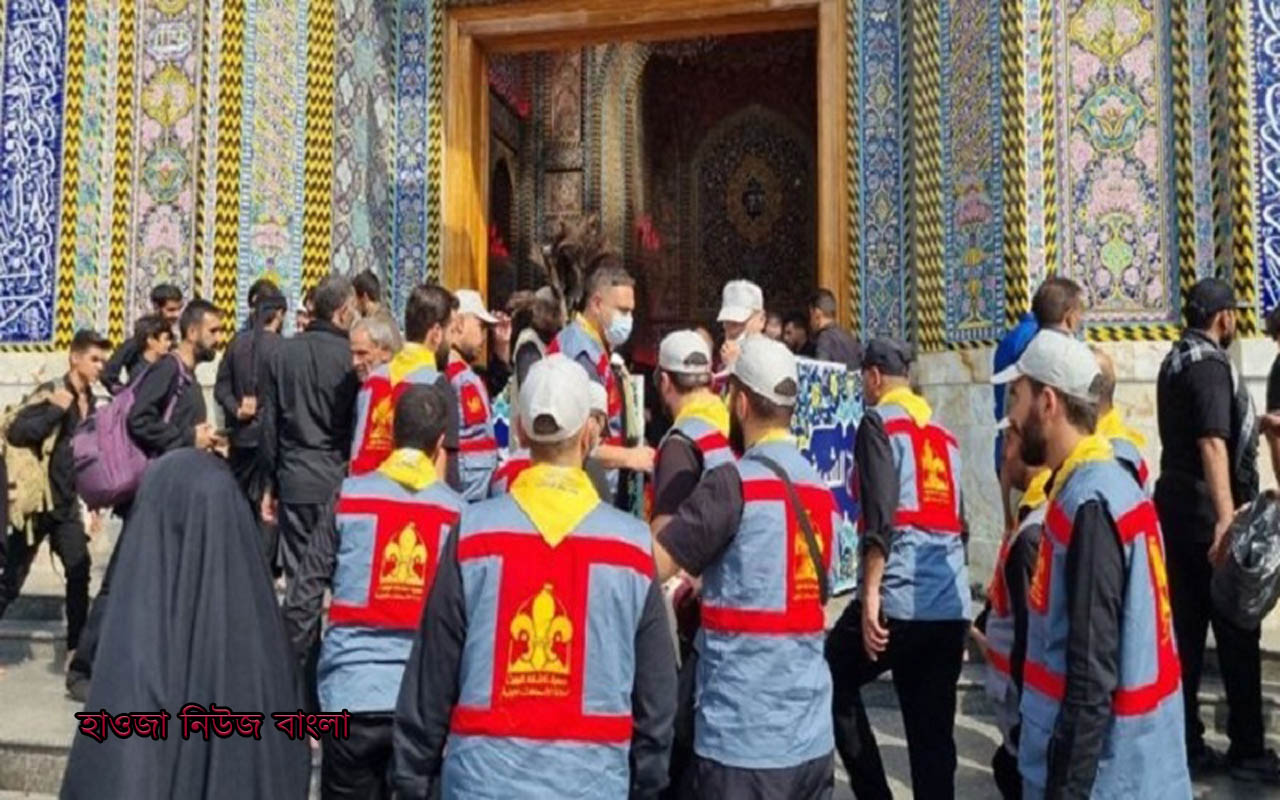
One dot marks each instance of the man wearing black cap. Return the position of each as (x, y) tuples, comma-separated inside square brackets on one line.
[(913, 611), (1208, 468), (54, 412)]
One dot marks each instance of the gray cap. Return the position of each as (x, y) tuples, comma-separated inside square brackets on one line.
[(891, 356), (685, 352), (557, 389), (470, 302), (739, 301), (1058, 360), (768, 369)]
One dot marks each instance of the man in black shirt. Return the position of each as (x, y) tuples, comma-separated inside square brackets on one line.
[(65, 404), (308, 406), (1207, 470), (795, 334), (166, 300), (830, 341), (1271, 421)]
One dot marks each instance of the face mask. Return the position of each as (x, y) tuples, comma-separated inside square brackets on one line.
[(619, 330)]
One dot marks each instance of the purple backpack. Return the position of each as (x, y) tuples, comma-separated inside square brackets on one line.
[(108, 463)]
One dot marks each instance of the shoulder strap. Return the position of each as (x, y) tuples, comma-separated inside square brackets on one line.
[(815, 554)]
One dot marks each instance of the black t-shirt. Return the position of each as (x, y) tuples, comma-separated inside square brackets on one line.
[(676, 475), (707, 522), (1273, 387), (1192, 405)]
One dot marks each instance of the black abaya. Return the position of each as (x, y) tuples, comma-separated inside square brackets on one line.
[(193, 619)]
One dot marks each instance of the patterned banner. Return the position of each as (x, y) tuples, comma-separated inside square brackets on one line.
[(31, 105), (412, 142), (167, 78), (272, 147), (1266, 121)]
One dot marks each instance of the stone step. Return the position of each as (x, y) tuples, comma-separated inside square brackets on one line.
[(38, 641)]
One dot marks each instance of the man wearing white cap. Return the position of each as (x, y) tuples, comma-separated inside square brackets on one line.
[(477, 447), (1102, 690), (741, 314), (758, 533), (542, 666)]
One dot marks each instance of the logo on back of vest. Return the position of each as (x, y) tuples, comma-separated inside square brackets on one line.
[(937, 483), (805, 573), (404, 566), (1164, 610), (538, 659), (1038, 592), (380, 422)]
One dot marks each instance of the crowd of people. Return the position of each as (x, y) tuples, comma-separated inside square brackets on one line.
[(497, 626)]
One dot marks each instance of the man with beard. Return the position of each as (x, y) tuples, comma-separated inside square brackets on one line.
[(913, 612), (758, 533), (1208, 469), (477, 447), (1101, 705)]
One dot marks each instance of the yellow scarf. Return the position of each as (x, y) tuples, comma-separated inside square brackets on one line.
[(707, 407), (915, 405), (1111, 426), (1089, 449), (1035, 497), (411, 468), (590, 328), (774, 435), (555, 498), (411, 357)]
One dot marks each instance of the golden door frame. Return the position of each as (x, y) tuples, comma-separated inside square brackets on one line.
[(474, 32)]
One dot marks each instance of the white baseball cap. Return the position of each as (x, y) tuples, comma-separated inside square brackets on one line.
[(470, 302), (557, 388), (765, 366), (685, 352), (739, 301), (1058, 360), (598, 397)]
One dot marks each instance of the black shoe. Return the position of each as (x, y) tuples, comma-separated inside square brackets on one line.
[(1264, 768), (78, 688), (1205, 761)]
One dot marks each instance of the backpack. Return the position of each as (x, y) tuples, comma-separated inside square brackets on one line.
[(108, 463), (27, 469)]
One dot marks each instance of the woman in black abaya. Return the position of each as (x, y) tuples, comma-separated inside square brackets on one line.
[(193, 620)]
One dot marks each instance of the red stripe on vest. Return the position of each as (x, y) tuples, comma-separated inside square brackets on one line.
[(710, 442), (1143, 472), (483, 445), (998, 661), (377, 441), (455, 368), (803, 612), (539, 648), (1058, 524), (402, 565), (509, 471), (1139, 520)]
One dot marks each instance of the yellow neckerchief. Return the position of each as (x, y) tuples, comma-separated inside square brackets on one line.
[(411, 357), (410, 468), (588, 326), (915, 405), (707, 407), (773, 435), (1089, 449), (1111, 426), (1034, 496), (555, 498)]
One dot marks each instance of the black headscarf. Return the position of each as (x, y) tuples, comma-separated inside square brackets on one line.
[(193, 619)]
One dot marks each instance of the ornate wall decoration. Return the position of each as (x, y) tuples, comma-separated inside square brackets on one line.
[(974, 197), (413, 77), (1266, 122), (1115, 160), (1201, 186), (1034, 119), (881, 170), (272, 146), (167, 87), (31, 105)]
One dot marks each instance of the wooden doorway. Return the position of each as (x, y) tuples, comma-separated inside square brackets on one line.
[(471, 34)]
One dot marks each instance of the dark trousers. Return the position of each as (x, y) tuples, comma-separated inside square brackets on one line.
[(299, 523), (247, 468), (1239, 659), (81, 667), (812, 780), (357, 767), (925, 659), (1004, 766), (67, 538)]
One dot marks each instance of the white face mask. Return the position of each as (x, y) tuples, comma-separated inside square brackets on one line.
[(619, 330)]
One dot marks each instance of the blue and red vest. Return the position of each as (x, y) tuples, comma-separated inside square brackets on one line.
[(711, 444), (578, 342), (548, 666), (1144, 754), (477, 447), (1131, 458), (389, 542), (925, 576), (508, 471), (376, 411), (763, 696)]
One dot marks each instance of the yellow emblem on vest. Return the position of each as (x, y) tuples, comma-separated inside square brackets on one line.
[(473, 405), (538, 629), (380, 422), (805, 571), (404, 564), (937, 487), (1164, 609)]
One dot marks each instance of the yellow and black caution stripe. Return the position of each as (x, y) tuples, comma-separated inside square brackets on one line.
[(122, 192), (1014, 151), (72, 119), (317, 181), (226, 233)]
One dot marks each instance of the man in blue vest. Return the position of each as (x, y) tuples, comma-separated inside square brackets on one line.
[(1102, 690), (477, 447), (758, 533), (913, 612), (542, 666), (391, 524)]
